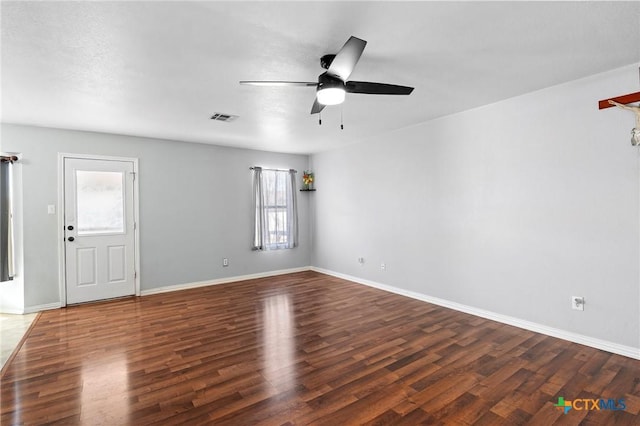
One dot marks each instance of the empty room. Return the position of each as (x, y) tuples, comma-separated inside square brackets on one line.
[(319, 213)]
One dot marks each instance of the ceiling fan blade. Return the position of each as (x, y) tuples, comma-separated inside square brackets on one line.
[(376, 88), (346, 59), (280, 83), (317, 107)]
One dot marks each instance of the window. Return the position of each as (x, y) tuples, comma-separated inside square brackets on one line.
[(99, 201), (276, 212)]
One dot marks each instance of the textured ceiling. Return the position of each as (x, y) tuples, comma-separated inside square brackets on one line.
[(161, 69)]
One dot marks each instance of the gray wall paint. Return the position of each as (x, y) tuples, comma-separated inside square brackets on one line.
[(195, 204), (513, 208)]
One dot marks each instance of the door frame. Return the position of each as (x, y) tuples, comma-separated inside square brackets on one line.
[(62, 268)]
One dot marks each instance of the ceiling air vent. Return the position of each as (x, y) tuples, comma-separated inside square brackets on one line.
[(218, 116)]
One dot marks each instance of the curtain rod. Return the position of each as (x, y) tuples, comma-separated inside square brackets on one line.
[(277, 170), (8, 159)]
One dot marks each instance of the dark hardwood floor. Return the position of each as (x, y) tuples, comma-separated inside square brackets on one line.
[(303, 348)]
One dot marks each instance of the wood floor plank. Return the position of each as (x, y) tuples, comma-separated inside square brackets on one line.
[(298, 349)]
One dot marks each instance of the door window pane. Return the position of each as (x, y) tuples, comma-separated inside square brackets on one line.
[(100, 202)]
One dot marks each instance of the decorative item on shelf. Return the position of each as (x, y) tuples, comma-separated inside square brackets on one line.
[(635, 132), (624, 102), (307, 181), (635, 136)]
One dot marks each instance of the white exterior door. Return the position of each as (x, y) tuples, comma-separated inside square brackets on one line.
[(99, 236)]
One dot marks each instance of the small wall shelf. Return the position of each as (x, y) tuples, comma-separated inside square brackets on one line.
[(623, 99), (307, 190)]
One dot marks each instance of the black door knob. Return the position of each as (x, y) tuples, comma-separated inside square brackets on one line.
[(70, 239), (70, 227)]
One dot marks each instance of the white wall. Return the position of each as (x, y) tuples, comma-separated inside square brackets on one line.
[(195, 208), (510, 208)]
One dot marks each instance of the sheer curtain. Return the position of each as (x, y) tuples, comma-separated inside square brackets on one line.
[(275, 209), (259, 229)]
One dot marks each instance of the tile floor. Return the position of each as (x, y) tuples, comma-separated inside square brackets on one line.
[(12, 328)]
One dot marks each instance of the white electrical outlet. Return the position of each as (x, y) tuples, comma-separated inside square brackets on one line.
[(577, 303), (383, 266), (225, 262), (51, 209)]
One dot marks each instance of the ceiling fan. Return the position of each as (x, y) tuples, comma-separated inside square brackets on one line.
[(333, 84)]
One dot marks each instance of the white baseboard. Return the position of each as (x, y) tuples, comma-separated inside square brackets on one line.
[(58, 305), (593, 342), (45, 307), (226, 280)]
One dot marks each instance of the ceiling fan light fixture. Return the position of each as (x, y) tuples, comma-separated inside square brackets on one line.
[(331, 96)]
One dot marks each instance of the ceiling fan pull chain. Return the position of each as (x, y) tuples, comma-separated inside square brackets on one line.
[(341, 117), (319, 119)]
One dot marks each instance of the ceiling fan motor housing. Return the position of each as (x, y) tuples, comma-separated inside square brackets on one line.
[(325, 81)]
